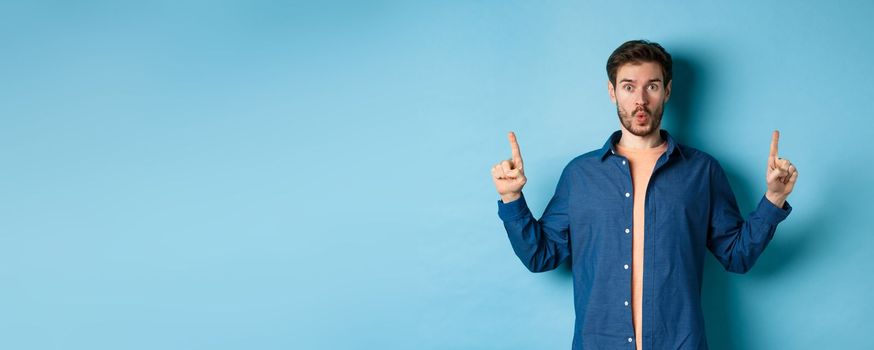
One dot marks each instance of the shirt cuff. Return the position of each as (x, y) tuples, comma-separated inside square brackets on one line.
[(513, 210), (771, 212)]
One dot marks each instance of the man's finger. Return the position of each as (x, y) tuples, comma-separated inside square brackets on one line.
[(775, 175), (517, 155), (772, 177), (775, 137), (790, 171), (498, 172), (783, 163), (506, 166), (515, 173)]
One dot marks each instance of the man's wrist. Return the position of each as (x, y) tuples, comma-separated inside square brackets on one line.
[(507, 198), (775, 198)]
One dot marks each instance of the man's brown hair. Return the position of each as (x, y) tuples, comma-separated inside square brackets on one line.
[(637, 52)]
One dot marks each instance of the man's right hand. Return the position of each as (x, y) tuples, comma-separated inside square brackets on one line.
[(509, 175)]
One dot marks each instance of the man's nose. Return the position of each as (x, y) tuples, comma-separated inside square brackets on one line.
[(640, 98)]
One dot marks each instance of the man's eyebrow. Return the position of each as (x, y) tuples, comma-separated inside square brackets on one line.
[(632, 80)]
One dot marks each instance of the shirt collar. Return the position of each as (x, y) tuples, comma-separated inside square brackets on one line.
[(610, 146)]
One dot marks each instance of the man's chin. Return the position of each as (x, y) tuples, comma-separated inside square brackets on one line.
[(643, 131), (647, 128)]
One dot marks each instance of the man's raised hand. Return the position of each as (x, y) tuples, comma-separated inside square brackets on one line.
[(509, 175), (780, 175)]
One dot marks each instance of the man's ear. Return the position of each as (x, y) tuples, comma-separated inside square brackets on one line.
[(612, 90), (668, 90)]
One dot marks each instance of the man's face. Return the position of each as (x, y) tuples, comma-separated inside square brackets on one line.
[(640, 95)]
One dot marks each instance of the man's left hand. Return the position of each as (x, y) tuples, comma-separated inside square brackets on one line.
[(781, 175)]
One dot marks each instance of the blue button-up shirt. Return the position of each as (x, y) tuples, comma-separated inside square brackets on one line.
[(689, 207)]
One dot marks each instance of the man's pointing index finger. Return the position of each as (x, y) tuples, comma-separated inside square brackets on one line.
[(517, 155), (772, 158)]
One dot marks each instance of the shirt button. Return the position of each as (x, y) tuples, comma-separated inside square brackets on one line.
[(626, 267), (626, 303), (623, 162), (629, 340), (627, 194), (627, 230)]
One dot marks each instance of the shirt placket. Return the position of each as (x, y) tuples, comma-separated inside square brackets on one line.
[(649, 249), (627, 191)]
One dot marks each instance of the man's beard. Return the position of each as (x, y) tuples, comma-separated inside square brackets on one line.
[(654, 120)]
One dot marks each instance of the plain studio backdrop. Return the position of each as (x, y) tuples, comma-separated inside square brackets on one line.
[(315, 175)]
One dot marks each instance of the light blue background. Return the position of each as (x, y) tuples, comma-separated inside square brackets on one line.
[(274, 175)]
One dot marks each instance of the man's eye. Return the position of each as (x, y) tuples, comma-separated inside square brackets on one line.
[(654, 87), (627, 87)]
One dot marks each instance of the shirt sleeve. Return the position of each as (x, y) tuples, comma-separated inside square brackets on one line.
[(735, 242), (541, 245)]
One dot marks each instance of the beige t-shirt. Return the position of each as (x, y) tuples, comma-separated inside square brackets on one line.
[(642, 162)]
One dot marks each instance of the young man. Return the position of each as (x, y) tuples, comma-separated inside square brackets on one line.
[(636, 216)]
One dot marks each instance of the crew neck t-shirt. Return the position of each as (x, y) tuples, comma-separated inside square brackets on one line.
[(642, 162)]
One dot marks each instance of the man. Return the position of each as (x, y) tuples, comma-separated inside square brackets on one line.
[(636, 216)]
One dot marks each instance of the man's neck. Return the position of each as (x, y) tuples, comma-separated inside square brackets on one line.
[(630, 140)]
